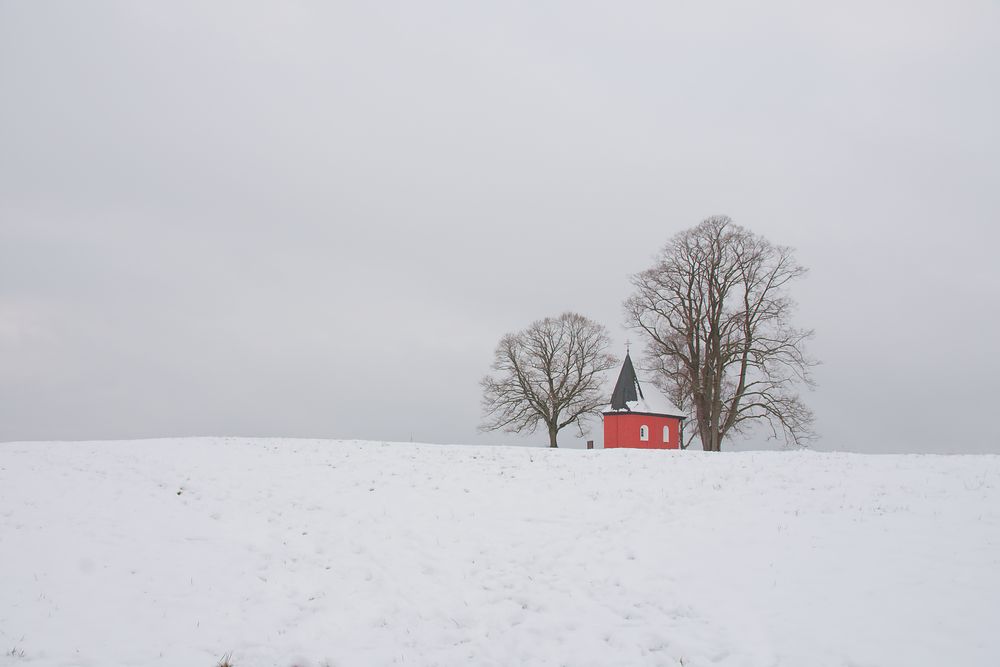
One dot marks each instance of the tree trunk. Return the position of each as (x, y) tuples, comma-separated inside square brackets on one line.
[(553, 431), (711, 439)]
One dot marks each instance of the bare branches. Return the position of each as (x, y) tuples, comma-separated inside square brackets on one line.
[(717, 323), (550, 373)]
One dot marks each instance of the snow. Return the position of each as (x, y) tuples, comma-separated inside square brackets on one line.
[(651, 404), (651, 401), (294, 552)]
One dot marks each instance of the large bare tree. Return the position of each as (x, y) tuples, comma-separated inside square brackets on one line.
[(550, 373), (716, 317)]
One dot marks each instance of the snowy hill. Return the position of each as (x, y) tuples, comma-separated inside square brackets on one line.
[(293, 552)]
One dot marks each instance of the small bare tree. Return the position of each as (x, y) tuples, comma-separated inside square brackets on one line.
[(550, 373), (716, 314)]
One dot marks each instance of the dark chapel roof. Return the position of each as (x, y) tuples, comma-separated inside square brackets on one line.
[(627, 389), (629, 397)]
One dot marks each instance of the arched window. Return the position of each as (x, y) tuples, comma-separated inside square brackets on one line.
[(644, 433), (666, 433)]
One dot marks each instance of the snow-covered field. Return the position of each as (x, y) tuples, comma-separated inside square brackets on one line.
[(294, 552)]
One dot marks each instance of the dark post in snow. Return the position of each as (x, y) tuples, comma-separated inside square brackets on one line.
[(590, 444)]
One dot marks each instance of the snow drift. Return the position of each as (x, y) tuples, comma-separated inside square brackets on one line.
[(294, 552)]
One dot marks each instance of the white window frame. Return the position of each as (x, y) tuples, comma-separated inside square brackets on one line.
[(666, 433), (644, 433)]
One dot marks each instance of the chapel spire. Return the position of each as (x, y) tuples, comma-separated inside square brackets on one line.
[(627, 388)]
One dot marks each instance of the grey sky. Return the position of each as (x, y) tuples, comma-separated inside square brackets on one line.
[(316, 219)]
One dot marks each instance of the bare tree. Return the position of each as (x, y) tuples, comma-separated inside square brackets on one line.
[(716, 313), (550, 373)]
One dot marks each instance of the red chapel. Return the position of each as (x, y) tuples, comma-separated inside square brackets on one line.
[(638, 420)]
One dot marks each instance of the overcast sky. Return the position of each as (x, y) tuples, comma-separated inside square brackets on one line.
[(316, 218)]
